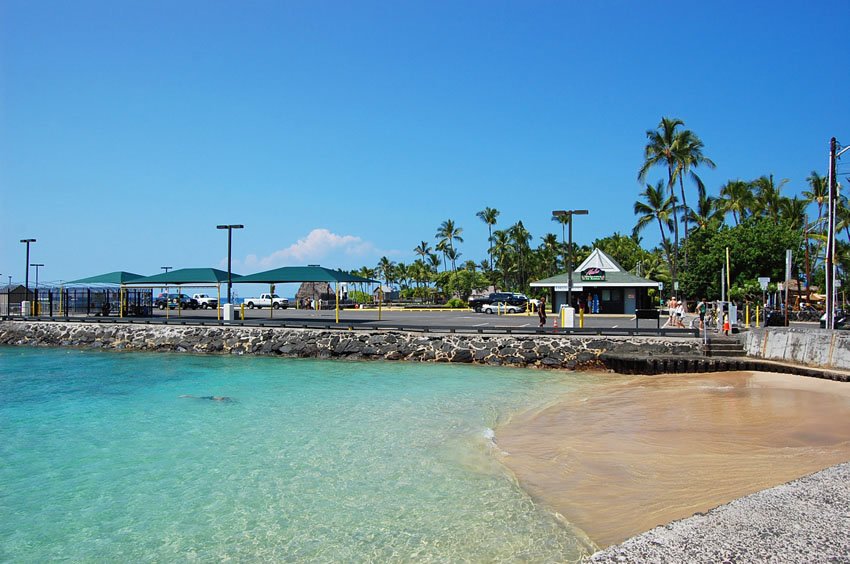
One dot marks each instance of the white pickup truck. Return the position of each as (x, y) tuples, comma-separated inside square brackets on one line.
[(266, 300), (206, 301)]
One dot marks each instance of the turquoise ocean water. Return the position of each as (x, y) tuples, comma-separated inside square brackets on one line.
[(101, 460)]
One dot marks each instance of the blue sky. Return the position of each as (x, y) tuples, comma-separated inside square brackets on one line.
[(338, 132)]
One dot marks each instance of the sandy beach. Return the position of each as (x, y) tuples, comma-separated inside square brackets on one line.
[(644, 451)]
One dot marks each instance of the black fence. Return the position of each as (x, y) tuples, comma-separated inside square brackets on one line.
[(68, 302)]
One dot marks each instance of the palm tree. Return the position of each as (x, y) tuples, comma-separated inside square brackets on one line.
[(422, 249), (502, 251), (564, 220), (433, 262), (661, 149), (442, 247), (736, 197), (550, 248), (488, 215), (793, 212), (706, 213), (768, 197), (449, 232), (687, 149), (521, 238), (655, 207), (817, 193), (387, 269)]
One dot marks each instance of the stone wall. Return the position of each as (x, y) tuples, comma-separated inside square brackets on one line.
[(812, 347), (516, 350)]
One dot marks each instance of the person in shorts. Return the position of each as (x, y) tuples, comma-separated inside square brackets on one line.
[(541, 311)]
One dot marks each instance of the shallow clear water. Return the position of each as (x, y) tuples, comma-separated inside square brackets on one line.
[(101, 459)]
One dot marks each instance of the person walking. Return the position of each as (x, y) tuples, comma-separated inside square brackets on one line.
[(541, 311), (680, 314), (701, 309)]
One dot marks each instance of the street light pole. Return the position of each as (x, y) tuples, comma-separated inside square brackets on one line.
[(36, 265), (166, 268), (27, 275), (569, 214), (230, 229)]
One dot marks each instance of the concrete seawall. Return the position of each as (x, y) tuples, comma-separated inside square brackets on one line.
[(810, 347), (514, 350)]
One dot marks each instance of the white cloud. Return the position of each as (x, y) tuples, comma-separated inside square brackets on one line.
[(319, 245)]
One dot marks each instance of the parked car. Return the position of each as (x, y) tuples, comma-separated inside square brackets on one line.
[(172, 300), (510, 298), (266, 300), (205, 301), (501, 307)]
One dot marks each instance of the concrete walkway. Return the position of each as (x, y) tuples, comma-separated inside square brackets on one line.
[(804, 521)]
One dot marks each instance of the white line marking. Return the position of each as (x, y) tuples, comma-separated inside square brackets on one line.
[(614, 326), (480, 324)]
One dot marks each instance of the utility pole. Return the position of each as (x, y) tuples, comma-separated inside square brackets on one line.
[(834, 153)]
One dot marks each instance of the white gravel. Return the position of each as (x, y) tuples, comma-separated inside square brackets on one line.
[(804, 521)]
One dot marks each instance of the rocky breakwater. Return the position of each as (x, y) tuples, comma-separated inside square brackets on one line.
[(543, 351)]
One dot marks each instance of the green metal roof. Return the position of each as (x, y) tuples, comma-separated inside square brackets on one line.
[(302, 274), (118, 277), (185, 276)]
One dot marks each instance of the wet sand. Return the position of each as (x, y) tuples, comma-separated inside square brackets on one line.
[(638, 452)]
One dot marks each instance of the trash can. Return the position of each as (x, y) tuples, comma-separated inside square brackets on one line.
[(568, 316)]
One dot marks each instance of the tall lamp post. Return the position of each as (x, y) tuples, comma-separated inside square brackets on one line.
[(27, 265), (569, 214), (230, 229), (166, 268), (36, 265)]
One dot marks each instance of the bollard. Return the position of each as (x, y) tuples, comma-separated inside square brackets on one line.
[(581, 318), (242, 311), (757, 316), (747, 317)]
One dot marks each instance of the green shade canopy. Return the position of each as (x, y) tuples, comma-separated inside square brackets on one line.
[(302, 274), (116, 278), (185, 276)]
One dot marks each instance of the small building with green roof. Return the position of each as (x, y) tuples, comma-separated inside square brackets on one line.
[(601, 285)]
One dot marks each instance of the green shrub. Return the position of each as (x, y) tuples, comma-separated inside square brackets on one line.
[(455, 303), (360, 297)]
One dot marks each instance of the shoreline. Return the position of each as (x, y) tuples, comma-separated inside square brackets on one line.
[(681, 445)]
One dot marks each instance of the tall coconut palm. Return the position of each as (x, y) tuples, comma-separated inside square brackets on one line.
[(550, 248), (422, 249), (706, 213), (521, 238), (433, 262), (449, 232), (488, 215), (768, 196), (386, 267), (564, 220), (817, 193), (736, 197), (655, 208), (687, 149), (502, 252), (660, 150), (793, 212)]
